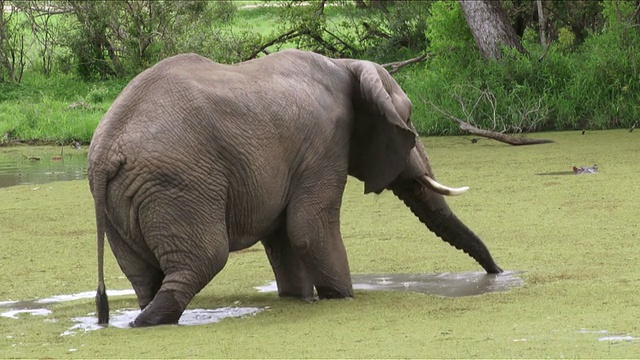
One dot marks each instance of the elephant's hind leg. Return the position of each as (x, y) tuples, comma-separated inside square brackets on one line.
[(291, 275), (191, 249), (138, 265)]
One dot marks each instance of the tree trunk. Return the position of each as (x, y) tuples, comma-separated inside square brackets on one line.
[(542, 21), (490, 27), (5, 47)]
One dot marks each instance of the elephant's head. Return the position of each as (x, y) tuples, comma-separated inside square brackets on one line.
[(385, 153)]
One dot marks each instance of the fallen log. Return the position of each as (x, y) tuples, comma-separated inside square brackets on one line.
[(502, 137)]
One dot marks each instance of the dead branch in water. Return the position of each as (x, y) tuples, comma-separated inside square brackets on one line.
[(502, 137)]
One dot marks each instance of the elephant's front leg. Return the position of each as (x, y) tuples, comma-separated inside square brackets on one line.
[(313, 227), (291, 275)]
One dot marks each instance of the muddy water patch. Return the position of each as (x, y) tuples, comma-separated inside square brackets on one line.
[(23, 168), (119, 318), (440, 284)]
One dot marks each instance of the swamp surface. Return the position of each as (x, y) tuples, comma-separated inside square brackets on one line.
[(571, 239), (27, 165)]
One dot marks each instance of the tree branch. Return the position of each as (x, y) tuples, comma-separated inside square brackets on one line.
[(347, 46), (511, 140), (395, 66), (546, 50), (291, 34)]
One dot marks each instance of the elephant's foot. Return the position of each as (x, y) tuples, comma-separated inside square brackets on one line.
[(326, 292), (305, 295), (291, 275), (164, 309)]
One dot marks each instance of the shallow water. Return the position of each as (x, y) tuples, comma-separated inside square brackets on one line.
[(619, 338), (613, 338), (440, 284), (122, 318), (20, 167), (119, 318)]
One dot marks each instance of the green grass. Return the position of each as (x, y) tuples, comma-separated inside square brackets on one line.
[(259, 19), (575, 237), (39, 108)]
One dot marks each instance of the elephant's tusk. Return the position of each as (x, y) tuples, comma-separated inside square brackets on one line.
[(427, 181)]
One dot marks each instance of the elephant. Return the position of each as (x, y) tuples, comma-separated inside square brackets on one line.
[(195, 159)]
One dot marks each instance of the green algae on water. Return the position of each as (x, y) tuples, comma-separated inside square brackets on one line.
[(575, 238)]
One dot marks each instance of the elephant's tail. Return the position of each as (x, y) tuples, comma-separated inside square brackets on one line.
[(99, 195)]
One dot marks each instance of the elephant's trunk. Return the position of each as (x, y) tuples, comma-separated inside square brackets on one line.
[(434, 212)]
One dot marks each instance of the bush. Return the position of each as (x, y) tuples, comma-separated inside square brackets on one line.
[(597, 86)]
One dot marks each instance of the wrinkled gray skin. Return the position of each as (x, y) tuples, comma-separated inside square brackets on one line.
[(196, 159)]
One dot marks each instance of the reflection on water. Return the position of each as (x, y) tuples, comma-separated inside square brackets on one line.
[(19, 167), (443, 284)]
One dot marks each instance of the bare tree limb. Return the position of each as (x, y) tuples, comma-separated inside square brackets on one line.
[(371, 31), (542, 21), (546, 50), (633, 126), (511, 140), (291, 34), (635, 13), (395, 66), (347, 46)]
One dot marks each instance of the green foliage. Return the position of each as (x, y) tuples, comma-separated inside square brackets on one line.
[(116, 39), (587, 79), (97, 94), (403, 24), (592, 85), (58, 108), (566, 38), (229, 36), (447, 29), (606, 90)]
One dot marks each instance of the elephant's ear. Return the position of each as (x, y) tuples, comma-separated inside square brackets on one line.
[(381, 139)]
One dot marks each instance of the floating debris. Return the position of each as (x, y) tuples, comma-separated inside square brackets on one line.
[(585, 169)]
